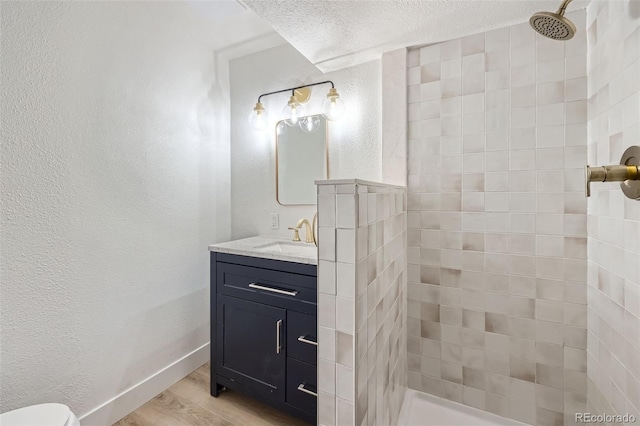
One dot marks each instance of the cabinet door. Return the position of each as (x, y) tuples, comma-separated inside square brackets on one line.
[(251, 345)]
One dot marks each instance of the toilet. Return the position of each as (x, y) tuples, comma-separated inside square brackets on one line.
[(40, 415)]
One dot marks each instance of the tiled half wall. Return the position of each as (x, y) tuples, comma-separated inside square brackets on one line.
[(362, 302), (497, 238)]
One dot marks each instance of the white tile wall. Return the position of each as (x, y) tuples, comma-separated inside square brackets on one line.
[(613, 360), (497, 229), (362, 350), (394, 113)]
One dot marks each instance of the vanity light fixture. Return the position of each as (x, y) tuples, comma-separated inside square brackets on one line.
[(295, 112), (258, 118), (333, 105)]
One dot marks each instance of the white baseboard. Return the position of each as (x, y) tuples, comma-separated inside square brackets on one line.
[(132, 398)]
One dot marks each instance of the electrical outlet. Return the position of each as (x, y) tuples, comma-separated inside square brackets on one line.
[(275, 221)]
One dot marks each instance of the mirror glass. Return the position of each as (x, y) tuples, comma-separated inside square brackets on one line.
[(301, 159)]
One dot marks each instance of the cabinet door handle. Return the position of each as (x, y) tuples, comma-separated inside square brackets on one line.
[(273, 290), (301, 388), (304, 339), (278, 327)]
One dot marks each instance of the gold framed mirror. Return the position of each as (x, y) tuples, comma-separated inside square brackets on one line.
[(301, 159)]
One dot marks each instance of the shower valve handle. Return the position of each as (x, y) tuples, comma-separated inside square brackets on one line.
[(628, 173), (610, 174)]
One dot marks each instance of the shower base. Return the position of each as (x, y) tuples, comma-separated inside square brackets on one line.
[(421, 409)]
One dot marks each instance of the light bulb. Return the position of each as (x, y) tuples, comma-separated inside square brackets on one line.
[(258, 118), (293, 111), (309, 124), (333, 106)]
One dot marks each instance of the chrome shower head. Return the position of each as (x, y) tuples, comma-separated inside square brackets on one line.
[(554, 25)]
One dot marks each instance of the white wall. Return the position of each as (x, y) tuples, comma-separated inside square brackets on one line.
[(115, 178), (354, 141)]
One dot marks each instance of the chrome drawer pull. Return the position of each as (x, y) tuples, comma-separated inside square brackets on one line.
[(278, 327), (304, 339), (301, 388), (274, 290)]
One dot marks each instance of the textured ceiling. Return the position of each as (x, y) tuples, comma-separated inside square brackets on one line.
[(334, 34)]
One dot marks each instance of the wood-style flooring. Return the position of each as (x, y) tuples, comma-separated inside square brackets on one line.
[(188, 403)]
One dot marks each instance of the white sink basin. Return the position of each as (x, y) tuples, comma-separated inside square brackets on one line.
[(302, 249)]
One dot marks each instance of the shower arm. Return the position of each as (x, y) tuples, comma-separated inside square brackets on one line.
[(563, 7)]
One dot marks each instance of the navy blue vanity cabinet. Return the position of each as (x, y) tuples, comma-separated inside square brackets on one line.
[(264, 331)]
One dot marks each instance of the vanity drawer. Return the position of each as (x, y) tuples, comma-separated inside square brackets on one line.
[(277, 288), (301, 335), (301, 388)]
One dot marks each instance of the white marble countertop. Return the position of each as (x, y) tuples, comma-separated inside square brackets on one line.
[(267, 247)]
